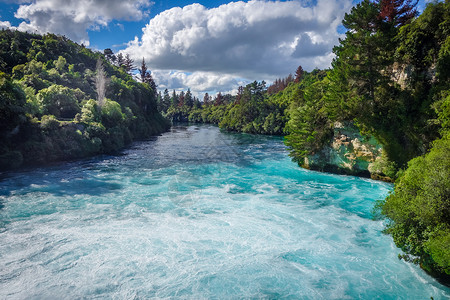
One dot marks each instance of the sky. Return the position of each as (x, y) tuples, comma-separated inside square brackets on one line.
[(207, 46)]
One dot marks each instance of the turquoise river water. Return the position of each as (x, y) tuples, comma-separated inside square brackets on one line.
[(198, 214)]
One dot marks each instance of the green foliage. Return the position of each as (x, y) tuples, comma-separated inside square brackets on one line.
[(59, 101), (254, 112), (419, 208), (49, 123), (12, 105), (60, 64), (90, 112), (54, 83), (309, 125), (112, 114)]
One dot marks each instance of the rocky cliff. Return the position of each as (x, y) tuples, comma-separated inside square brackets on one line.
[(349, 152)]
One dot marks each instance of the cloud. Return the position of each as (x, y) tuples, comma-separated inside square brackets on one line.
[(255, 39), (200, 82), (6, 24), (74, 17)]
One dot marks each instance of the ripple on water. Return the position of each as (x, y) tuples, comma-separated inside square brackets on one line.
[(198, 213)]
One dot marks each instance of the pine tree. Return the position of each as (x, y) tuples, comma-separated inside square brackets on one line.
[(174, 99), (397, 12), (143, 72), (128, 64), (299, 74), (197, 103), (219, 99), (239, 94), (159, 102), (188, 101), (181, 99), (206, 99), (146, 77), (166, 101), (120, 60)]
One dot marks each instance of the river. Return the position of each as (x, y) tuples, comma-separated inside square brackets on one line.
[(198, 213)]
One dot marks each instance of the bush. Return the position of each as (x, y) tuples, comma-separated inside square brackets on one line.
[(59, 101), (89, 112), (419, 208), (49, 122), (112, 114)]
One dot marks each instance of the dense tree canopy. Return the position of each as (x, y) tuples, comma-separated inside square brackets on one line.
[(47, 110)]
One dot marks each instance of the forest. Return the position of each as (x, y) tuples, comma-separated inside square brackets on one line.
[(390, 78), (61, 100)]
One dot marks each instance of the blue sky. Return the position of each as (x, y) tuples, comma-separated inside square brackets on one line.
[(208, 47)]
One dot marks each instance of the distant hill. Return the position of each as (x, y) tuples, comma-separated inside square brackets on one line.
[(53, 106)]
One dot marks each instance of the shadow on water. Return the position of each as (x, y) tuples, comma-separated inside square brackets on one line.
[(61, 179), (184, 145), (91, 187)]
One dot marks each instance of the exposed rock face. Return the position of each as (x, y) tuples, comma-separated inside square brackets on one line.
[(348, 152)]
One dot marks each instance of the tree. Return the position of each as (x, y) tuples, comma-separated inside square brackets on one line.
[(128, 64), (100, 83), (298, 74), (59, 101), (143, 72), (166, 101), (188, 99), (397, 12), (197, 103), (181, 99), (146, 77), (120, 60), (419, 210), (151, 83), (206, 99), (109, 54), (60, 64), (239, 94), (219, 99), (159, 101), (12, 103), (369, 94), (174, 99)]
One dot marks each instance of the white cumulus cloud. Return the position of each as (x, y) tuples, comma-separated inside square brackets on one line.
[(5, 25), (255, 40), (74, 17)]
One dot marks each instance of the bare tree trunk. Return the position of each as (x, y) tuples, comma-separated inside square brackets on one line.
[(100, 83)]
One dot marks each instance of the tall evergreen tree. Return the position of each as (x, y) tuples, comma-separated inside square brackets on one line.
[(298, 74), (181, 99), (398, 12), (166, 101), (206, 99), (197, 103), (146, 77), (128, 64), (188, 100), (174, 99), (219, 99), (143, 72), (120, 60)]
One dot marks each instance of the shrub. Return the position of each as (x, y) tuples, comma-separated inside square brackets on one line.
[(49, 122), (59, 101), (419, 208)]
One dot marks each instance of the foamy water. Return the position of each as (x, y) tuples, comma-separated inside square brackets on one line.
[(197, 214)]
